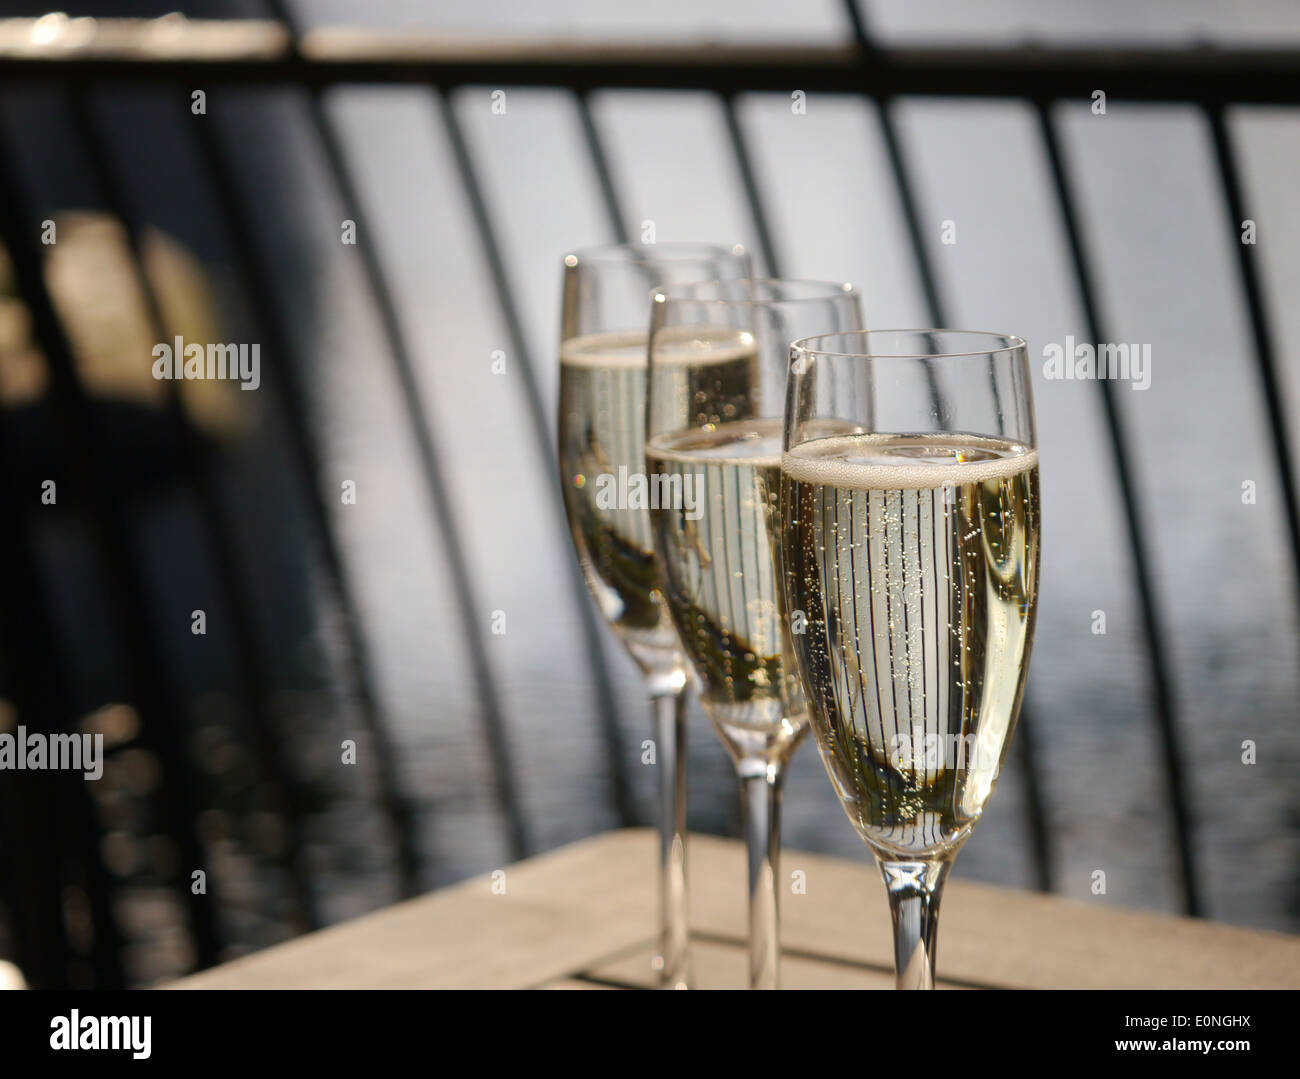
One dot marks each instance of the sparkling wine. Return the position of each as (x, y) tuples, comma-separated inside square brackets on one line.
[(913, 561), (602, 462), (721, 558)]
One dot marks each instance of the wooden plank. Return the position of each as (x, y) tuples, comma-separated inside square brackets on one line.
[(720, 964), (991, 936), (589, 907), (575, 983), (561, 912)]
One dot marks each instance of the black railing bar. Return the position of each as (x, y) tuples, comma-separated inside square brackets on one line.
[(544, 446), (898, 168), (600, 163), (176, 38), (491, 711), (468, 604), (1036, 819), (605, 177), (30, 878), (1264, 85), (1037, 823), (749, 182), (936, 308), (1121, 456), (32, 884), (77, 813), (1265, 354), (333, 55), (39, 682), (36, 680), (904, 188), (292, 404), (156, 700), (253, 678)]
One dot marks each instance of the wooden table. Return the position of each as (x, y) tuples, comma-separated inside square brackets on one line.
[(582, 917)]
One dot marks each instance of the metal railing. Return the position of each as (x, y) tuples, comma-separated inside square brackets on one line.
[(82, 56)]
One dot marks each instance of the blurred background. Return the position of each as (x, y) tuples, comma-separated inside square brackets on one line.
[(373, 619)]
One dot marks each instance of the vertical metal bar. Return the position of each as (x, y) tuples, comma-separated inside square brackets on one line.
[(1265, 356), (749, 181), (240, 230), (38, 683), (253, 676), (160, 710), (1037, 823), (905, 189), (490, 710), (902, 179), (606, 706), (1153, 632), (1036, 819), (600, 163), (468, 604), (32, 881), (898, 166)]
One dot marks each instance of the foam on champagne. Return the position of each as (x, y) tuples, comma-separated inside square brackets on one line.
[(626, 348), (753, 449), (905, 463), (675, 345)]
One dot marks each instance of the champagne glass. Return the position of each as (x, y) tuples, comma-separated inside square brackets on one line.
[(603, 323), (911, 547), (719, 353)]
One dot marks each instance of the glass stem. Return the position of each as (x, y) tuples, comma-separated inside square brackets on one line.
[(914, 892), (668, 710), (761, 796)]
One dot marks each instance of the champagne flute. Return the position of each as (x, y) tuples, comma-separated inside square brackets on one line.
[(602, 450), (719, 353), (911, 547)]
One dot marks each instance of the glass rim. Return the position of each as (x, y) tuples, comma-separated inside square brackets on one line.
[(631, 254), (819, 291), (1007, 342)]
